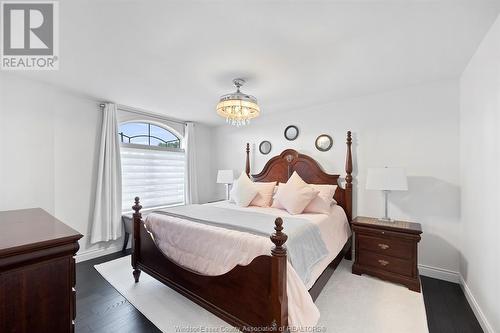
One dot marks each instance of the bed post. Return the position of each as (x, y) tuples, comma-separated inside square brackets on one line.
[(136, 244), (348, 187), (247, 165), (348, 177), (279, 299)]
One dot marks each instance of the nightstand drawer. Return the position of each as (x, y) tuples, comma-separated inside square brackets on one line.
[(391, 264), (386, 246)]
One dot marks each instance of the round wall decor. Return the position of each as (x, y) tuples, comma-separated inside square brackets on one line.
[(324, 142), (265, 147), (291, 132)]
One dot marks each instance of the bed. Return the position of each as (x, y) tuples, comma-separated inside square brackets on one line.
[(257, 289)]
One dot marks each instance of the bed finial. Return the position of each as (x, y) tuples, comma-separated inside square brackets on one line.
[(247, 166), (137, 207), (278, 238)]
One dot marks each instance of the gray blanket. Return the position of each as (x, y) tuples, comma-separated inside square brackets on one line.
[(305, 245)]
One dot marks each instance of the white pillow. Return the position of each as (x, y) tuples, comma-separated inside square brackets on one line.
[(276, 203), (322, 203), (243, 191), (264, 194), (295, 195)]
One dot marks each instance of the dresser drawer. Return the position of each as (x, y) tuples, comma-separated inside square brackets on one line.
[(391, 264), (387, 246)]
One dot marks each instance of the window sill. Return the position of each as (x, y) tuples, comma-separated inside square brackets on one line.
[(146, 211)]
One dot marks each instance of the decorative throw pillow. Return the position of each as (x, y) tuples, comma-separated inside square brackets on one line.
[(264, 194), (295, 195), (243, 191), (322, 203), (276, 203)]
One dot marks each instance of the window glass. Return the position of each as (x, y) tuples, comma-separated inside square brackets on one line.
[(148, 135)]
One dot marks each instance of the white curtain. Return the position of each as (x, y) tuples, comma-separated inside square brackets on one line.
[(106, 223), (191, 181)]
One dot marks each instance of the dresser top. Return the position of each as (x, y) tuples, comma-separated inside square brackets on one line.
[(398, 226), (29, 229)]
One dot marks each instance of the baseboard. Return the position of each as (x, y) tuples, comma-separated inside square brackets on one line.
[(485, 324), (94, 253), (439, 273)]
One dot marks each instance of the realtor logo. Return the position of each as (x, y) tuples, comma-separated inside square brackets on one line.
[(30, 35)]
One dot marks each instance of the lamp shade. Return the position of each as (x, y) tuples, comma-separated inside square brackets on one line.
[(225, 177), (386, 179)]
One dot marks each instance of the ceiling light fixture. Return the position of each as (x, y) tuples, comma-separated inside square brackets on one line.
[(238, 108)]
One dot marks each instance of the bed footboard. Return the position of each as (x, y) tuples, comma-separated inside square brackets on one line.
[(248, 297)]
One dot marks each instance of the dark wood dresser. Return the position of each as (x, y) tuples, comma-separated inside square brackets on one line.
[(37, 272), (387, 250)]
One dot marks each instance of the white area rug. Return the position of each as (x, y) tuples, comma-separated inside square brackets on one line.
[(348, 303)]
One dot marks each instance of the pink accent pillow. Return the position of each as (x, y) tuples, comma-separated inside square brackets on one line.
[(295, 195), (264, 194), (322, 203)]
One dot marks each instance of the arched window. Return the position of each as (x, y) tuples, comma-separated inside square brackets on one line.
[(147, 134), (153, 165)]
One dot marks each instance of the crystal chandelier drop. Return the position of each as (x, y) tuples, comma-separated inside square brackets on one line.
[(238, 108)]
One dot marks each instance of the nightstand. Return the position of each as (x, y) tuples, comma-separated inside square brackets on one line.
[(387, 250)]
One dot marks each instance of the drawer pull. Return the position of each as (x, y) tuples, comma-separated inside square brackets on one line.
[(383, 262), (383, 246)]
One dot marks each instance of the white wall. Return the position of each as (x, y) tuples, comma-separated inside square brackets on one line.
[(26, 147), (415, 127), (48, 155), (49, 150), (480, 178)]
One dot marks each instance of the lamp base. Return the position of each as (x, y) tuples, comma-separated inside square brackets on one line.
[(227, 191), (386, 217)]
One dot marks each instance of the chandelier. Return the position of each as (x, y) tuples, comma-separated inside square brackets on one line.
[(238, 108)]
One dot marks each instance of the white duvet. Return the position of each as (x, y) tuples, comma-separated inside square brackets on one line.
[(211, 250)]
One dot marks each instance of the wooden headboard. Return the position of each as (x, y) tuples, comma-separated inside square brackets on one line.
[(280, 168)]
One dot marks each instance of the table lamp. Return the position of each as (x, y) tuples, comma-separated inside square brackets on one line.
[(386, 180), (225, 177)]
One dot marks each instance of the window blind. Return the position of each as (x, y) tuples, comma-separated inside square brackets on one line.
[(154, 175)]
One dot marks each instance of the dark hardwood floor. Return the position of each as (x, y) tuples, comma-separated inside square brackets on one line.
[(447, 308), (100, 308)]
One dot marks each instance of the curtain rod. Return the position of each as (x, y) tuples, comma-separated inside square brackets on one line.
[(145, 113)]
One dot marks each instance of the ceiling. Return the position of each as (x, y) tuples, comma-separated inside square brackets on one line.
[(178, 57)]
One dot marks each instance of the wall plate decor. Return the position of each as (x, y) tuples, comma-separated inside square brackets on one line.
[(324, 142), (291, 132), (265, 147)]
